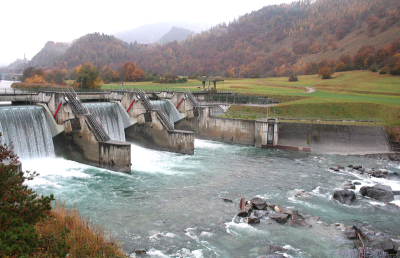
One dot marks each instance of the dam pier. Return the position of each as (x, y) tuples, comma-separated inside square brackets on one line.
[(93, 127)]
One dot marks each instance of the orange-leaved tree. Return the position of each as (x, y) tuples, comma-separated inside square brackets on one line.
[(131, 72), (325, 72)]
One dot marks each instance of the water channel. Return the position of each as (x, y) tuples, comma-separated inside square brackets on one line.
[(171, 205)]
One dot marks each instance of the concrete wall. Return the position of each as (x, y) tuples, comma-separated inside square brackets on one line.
[(334, 139), (153, 135), (82, 146), (248, 132), (115, 155)]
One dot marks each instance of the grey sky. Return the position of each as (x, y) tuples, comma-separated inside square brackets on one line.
[(27, 25)]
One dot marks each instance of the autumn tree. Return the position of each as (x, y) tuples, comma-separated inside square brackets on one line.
[(56, 76), (32, 75), (109, 75), (311, 68), (364, 57), (88, 77), (325, 72), (131, 72)]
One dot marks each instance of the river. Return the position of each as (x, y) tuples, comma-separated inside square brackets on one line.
[(171, 204), (5, 84)]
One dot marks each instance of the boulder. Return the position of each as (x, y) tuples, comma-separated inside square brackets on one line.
[(344, 196), (270, 251), (140, 252), (259, 203), (378, 192), (253, 220), (351, 233), (282, 209), (378, 174), (388, 246), (348, 185), (279, 217), (298, 221), (299, 193), (246, 210), (369, 252)]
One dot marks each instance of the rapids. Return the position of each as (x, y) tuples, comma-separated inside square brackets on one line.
[(171, 204)]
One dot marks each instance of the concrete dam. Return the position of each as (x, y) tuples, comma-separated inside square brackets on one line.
[(92, 128)]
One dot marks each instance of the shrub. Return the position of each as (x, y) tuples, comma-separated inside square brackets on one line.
[(21, 208), (373, 69), (293, 78), (383, 71)]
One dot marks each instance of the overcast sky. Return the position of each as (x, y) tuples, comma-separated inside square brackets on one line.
[(27, 25)]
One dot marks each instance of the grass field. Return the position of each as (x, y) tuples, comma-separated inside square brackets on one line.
[(355, 94)]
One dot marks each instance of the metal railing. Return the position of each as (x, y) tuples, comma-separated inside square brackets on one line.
[(314, 120), (239, 99), (148, 106), (79, 109), (192, 99)]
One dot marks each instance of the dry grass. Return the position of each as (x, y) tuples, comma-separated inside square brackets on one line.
[(65, 231)]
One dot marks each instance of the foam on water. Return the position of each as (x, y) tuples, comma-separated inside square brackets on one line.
[(170, 204)]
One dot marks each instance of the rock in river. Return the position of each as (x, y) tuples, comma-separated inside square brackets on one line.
[(259, 203), (279, 217), (344, 196), (379, 192)]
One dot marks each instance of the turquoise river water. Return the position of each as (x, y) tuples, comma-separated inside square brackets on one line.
[(171, 204)]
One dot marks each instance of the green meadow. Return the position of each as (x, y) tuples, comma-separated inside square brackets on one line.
[(361, 95)]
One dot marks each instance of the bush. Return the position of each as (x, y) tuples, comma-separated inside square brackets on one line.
[(293, 78), (373, 69), (21, 208), (383, 71)]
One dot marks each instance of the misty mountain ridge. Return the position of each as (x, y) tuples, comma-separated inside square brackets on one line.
[(273, 41), (178, 34), (151, 33)]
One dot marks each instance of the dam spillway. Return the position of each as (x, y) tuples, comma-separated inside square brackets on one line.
[(110, 118), (168, 107), (26, 129)]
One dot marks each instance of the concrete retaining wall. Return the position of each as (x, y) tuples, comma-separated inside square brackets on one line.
[(238, 131), (153, 135), (334, 139), (81, 146)]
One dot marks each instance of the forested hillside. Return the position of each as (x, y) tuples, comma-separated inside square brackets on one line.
[(274, 41)]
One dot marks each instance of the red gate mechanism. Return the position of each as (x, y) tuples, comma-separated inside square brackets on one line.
[(133, 101), (59, 106), (184, 97)]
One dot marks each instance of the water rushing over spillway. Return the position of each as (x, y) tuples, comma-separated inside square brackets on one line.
[(171, 205), (26, 129), (168, 107), (110, 117)]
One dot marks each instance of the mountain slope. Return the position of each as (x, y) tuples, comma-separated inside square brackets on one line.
[(273, 41), (145, 34), (151, 33), (175, 33)]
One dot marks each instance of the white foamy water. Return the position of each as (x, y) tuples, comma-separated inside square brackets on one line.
[(171, 205)]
